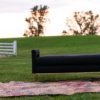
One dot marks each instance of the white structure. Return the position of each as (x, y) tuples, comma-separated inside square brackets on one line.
[(8, 48)]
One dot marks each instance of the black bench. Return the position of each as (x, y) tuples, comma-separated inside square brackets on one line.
[(65, 63)]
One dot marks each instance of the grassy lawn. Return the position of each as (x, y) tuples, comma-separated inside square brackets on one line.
[(19, 68)]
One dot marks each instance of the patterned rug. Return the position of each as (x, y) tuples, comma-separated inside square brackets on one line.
[(52, 88)]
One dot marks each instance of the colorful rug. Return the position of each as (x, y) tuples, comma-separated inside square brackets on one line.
[(52, 88)]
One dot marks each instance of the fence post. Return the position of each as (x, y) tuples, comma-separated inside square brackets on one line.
[(15, 48)]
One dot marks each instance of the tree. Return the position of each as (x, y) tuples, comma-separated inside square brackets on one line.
[(85, 23), (37, 20)]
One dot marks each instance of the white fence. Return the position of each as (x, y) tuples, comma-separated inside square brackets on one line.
[(8, 48)]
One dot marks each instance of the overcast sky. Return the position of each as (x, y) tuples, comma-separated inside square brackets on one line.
[(14, 12), (24, 5)]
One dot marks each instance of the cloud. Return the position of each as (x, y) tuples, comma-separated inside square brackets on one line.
[(54, 3), (14, 5), (7, 6), (24, 5)]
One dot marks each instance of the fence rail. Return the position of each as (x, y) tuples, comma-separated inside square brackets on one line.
[(8, 48)]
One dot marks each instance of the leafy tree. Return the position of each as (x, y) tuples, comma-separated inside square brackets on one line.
[(86, 23), (37, 20)]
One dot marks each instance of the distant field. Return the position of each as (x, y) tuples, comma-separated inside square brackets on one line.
[(19, 68)]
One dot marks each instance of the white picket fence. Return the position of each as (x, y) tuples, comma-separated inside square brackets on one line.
[(8, 48)]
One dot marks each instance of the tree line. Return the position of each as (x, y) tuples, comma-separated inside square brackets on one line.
[(81, 23)]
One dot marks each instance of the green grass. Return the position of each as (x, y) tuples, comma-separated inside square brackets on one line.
[(19, 68)]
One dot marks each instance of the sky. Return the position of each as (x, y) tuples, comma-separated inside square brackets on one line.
[(24, 5), (14, 12)]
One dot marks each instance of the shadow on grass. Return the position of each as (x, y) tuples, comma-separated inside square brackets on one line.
[(67, 77)]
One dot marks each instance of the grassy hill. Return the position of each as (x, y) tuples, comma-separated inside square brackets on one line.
[(18, 68)]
